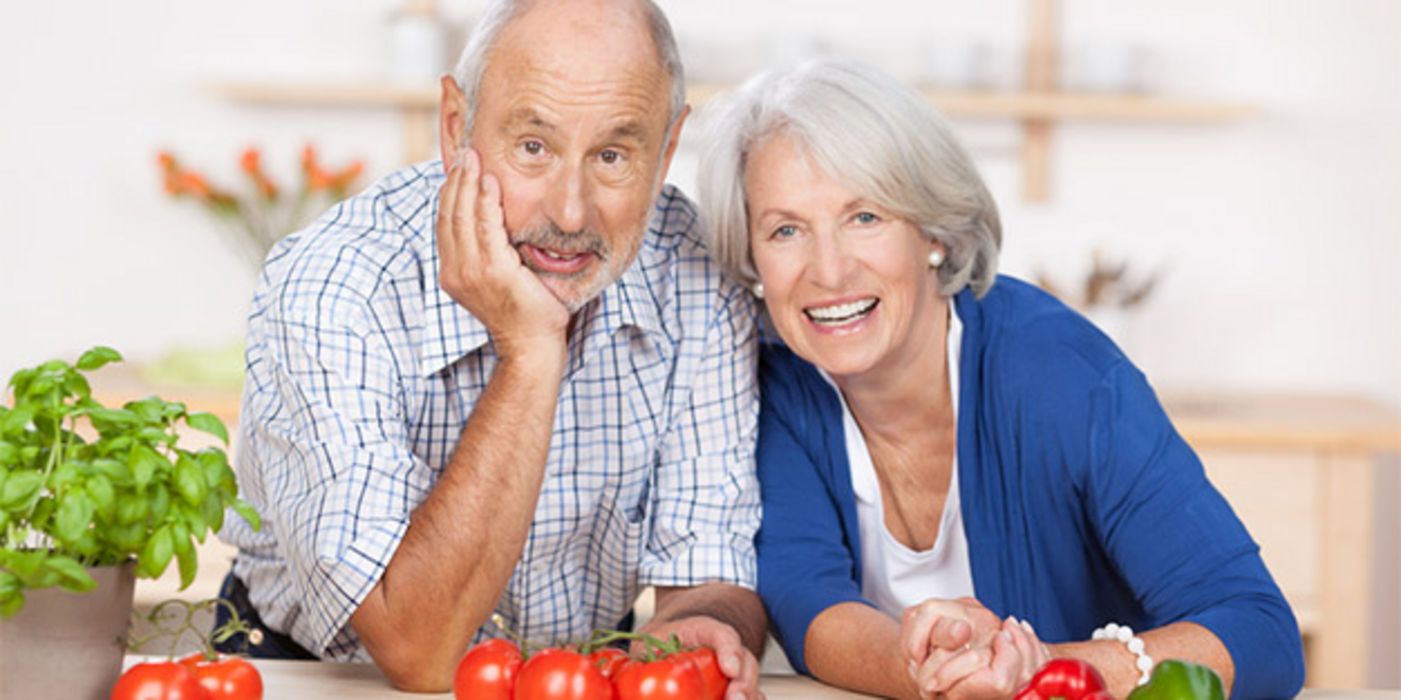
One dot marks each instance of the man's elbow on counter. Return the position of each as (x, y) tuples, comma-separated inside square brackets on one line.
[(412, 672)]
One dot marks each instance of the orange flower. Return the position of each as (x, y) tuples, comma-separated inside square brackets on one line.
[(341, 180), (167, 161), (195, 184), (309, 160), (251, 162), (318, 179), (266, 187), (172, 184)]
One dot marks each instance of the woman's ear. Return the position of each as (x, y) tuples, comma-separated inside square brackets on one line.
[(452, 121)]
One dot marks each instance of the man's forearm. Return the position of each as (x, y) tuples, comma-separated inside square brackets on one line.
[(735, 606), (464, 540)]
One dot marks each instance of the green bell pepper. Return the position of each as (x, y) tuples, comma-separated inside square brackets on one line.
[(1180, 680)]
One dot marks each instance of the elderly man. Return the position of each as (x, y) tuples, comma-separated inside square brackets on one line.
[(508, 382)]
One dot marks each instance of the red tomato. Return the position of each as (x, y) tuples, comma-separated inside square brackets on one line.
[(165, 680), (608, 660), (672, 678), (487, 671), (560, 674), (714, 680), (226, 678)]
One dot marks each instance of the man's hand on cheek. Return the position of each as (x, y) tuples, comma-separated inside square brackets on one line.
[(480, 270), (736, 662)]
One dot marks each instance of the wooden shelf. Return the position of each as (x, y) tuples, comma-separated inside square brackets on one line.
[(954, 103), (330, 94)]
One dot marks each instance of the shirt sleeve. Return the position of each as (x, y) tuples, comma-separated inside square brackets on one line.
[(705, 500), (325, 428), (805, 566), (1178, 543)]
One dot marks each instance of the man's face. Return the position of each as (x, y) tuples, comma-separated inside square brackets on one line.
[(572, 119)]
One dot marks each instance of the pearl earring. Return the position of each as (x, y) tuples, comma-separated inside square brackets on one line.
[(936, 257), (759, 289)]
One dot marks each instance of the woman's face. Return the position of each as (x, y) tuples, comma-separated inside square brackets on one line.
[(847, 283)]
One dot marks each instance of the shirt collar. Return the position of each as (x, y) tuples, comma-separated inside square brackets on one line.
[(450, 332)]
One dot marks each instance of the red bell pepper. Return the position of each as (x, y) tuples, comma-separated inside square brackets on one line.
[(1071, 679)]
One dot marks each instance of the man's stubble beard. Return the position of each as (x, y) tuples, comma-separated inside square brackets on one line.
[(588, 284)]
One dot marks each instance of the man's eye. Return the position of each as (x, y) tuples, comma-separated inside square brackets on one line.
[(533, 147), (610, 157)]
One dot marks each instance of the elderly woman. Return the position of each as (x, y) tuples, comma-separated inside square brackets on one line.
[(955, 466)]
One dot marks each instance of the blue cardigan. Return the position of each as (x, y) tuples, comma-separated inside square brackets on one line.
[(1082, 505)]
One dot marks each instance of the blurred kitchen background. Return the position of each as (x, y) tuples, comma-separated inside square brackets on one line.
[(1226, 176)]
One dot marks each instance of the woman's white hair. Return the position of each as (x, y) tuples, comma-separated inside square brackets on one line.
[(471, 65), (877, 136)]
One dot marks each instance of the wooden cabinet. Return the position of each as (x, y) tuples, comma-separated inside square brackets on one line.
[(1300, 472)]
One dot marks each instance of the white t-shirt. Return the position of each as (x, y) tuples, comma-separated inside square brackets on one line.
[(894, 576)]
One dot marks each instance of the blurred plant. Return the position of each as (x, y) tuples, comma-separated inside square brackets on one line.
[(263, 215), (1107, 283)]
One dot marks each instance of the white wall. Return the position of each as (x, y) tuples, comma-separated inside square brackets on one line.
[(1282, 232)]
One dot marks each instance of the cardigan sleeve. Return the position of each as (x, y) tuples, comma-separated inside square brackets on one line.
[(1177, 542), (805, 564)]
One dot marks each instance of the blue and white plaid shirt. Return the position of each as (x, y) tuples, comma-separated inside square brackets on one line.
[(362, 373)]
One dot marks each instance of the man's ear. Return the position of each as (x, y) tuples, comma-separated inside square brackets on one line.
[(673, 139), (452, 121)]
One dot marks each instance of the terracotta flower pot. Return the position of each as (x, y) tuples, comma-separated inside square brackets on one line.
[(68, 645)]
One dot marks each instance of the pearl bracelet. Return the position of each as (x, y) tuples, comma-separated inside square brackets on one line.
[(1124, 633)]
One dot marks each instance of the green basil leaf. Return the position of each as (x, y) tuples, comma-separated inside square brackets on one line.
[(148, 409), (19, 488), (172, 410), (39, 388), (128, 537), (214, 513), (108, 420), (73, 516), (103, 495), (208, 423), (10, 604), (97, 357), (9, 584), (19, 381), (160, 503), (153, 435), (144, 463), (248, 513), (158, 552), (186, 556), (25, 565), (189, 481), (71, 574), (131, 508), (117, 472), (9, 454), (194, 518), (77, 385), (17, 420)]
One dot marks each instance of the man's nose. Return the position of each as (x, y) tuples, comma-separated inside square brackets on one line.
[(565, 203)]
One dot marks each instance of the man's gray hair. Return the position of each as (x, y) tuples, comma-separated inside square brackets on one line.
[(877, 136), (499, 13)]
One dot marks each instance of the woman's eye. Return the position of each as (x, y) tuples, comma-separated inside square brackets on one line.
[(785, 231), (866, 218)]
